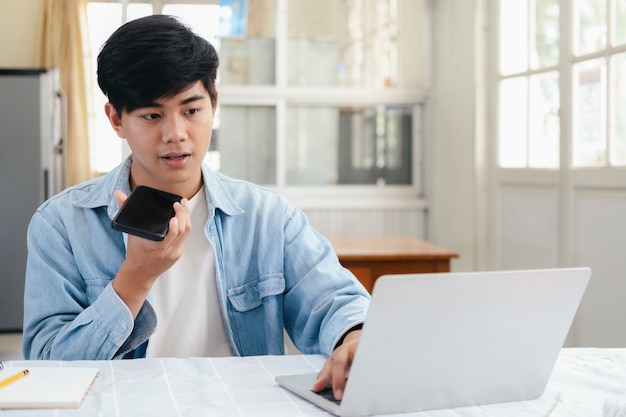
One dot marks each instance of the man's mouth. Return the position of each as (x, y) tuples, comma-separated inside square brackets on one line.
[(174, 157)]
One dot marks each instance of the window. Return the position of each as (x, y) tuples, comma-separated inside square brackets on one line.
[(312, 93), (532, 67), (529, 88)]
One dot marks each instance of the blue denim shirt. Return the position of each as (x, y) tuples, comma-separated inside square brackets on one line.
[(273, 272)]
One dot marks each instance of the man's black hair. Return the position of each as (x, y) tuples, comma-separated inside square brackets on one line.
[(154, 57)]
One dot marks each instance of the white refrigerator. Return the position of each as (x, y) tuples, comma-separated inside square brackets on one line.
[(32, 168)]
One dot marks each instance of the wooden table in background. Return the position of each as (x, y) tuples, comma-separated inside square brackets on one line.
[(369, 258)]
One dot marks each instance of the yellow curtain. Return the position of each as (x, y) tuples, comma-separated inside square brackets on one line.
[(65, 46)]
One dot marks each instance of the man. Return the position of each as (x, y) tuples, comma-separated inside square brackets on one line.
[(239, 264)]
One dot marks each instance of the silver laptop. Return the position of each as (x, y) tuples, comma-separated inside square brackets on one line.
[(445, 340)]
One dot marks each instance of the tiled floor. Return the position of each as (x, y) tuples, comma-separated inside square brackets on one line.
[(10, 346)]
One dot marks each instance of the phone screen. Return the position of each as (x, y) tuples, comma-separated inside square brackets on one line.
[(146, 213)]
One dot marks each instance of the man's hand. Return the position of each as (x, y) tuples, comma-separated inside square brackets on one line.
[(146, 260), (337, 366)]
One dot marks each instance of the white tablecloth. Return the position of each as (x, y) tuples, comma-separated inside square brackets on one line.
[(245, 387)]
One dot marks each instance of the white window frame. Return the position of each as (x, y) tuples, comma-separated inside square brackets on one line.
[(565, 66)]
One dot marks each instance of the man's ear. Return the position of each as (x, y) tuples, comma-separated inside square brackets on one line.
[(214, 104), (115, 119)]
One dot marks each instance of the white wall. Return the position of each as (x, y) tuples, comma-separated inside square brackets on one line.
[(20, 31), (450, 152)]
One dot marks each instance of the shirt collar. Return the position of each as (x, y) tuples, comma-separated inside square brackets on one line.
[(100, 191), (217, 195)]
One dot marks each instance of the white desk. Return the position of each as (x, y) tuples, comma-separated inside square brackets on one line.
[(244, 387)]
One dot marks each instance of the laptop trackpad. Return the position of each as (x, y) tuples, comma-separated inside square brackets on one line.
[(328, 394), (301, 384)]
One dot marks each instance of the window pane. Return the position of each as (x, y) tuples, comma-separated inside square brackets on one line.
[(247, 151), (313, 62), (103, 19), (377, 39), (106, 149), (546, 48), (513, 36), (619, 26), (203, 18), (544, 129), (589, 143), (247, 45), (247, 61), (512, 148), (366, 145), (618, 113), (312, 145), (590, 19), (375, 145), (314, 43), (137, 10), (354, 43)]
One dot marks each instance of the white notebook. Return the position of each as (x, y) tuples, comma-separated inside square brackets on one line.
[(46, 387)]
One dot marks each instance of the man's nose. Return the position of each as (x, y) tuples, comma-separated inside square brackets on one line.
[(174, 129)]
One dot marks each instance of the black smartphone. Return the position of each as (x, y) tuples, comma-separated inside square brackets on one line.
[(146, 213)]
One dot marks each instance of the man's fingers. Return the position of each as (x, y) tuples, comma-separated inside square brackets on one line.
[(323, 377), (341, 364), (335, 369), (120, 197)]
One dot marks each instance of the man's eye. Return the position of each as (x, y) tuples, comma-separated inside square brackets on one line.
[(151, 116), (193, 111)]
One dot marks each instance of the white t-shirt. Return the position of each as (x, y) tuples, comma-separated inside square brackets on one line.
[(189, 319)]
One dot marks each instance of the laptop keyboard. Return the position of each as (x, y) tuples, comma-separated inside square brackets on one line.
[(328, 394)]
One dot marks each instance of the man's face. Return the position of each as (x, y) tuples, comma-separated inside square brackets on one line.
[(169, 139)]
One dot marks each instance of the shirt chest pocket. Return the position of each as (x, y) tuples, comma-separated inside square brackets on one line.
[(253, 294), (256, 316)]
